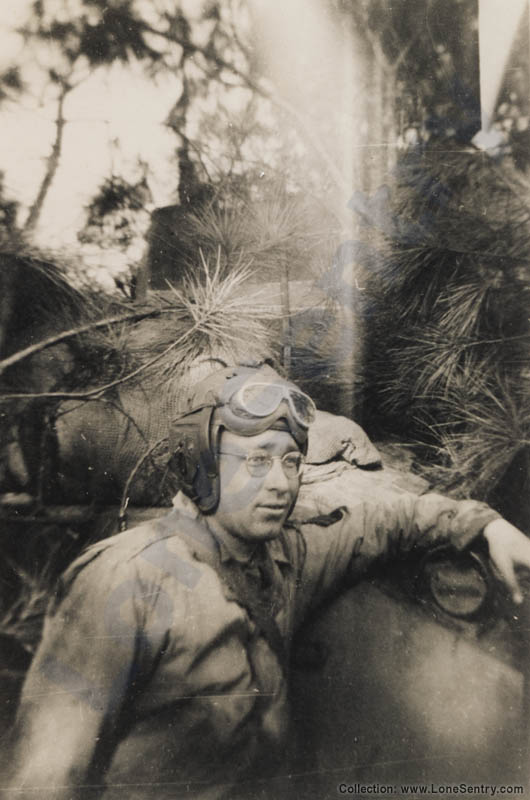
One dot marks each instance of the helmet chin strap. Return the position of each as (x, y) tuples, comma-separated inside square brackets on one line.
[(194, 459)]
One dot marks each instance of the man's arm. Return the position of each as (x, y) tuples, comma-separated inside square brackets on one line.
[(393, 524), (76, 686)]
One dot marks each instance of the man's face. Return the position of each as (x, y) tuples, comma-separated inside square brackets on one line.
[(254, 508)]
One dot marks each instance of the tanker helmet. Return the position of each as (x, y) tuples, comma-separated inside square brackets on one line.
[(244, 400)]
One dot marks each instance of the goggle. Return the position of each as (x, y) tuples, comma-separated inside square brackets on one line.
[(263, 399)]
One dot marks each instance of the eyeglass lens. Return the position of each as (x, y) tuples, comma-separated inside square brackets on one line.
[(259, 464)]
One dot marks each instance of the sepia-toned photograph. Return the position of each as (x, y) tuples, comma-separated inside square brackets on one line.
[(264, 399)]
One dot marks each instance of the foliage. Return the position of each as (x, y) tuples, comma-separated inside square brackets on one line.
[(70, 40), (116, 194), (446, 304), (267, 225), (485, 434), (109, 348), (27, 584), (11, 83), (100, 32), (114, 234), (437, 90)]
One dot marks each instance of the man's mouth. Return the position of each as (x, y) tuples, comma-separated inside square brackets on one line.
[(275, 508)]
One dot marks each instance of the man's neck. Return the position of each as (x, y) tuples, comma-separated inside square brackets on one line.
[(240, 549)]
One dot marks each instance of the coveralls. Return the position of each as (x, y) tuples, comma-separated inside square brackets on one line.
[(156, 679)]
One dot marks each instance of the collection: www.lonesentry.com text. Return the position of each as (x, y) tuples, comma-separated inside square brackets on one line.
[(414, 789)]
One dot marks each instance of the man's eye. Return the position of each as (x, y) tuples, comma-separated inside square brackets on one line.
[(257, 460), (292, 461)]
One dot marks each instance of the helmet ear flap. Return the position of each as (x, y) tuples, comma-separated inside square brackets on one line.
[(194, 458)]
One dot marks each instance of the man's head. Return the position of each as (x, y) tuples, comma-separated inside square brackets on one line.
[(259, 478), (237, 448)]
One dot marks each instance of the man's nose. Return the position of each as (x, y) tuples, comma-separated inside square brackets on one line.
[(276, 477)]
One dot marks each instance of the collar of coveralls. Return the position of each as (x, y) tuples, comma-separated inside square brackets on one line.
[(184, 505)]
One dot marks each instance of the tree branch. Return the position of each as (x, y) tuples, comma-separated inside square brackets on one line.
[(20, 355), (100, 390), (132, 475)]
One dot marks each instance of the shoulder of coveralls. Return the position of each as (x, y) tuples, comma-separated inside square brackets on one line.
[(304, 526), (159, 543)]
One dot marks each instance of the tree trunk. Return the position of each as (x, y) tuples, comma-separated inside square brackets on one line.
[(8, 268), (52, 165), (389, 123), (286, 318)]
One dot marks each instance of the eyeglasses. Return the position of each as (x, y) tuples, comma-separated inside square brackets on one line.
[(263, 399), (259, 464)]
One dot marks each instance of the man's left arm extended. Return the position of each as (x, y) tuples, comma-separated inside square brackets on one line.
[(395, 524)]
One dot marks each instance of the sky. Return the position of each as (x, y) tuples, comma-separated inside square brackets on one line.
[(114, 118), (117, 116)]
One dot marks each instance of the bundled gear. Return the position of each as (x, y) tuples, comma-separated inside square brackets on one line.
[(244, 400)]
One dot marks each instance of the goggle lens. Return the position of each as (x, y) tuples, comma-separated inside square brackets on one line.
[(303, 406), (262, 399)]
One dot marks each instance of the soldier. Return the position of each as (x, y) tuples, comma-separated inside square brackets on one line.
[(162, 671)]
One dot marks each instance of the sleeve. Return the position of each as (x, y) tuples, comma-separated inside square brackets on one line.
[(93, 644), (383, 526)]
